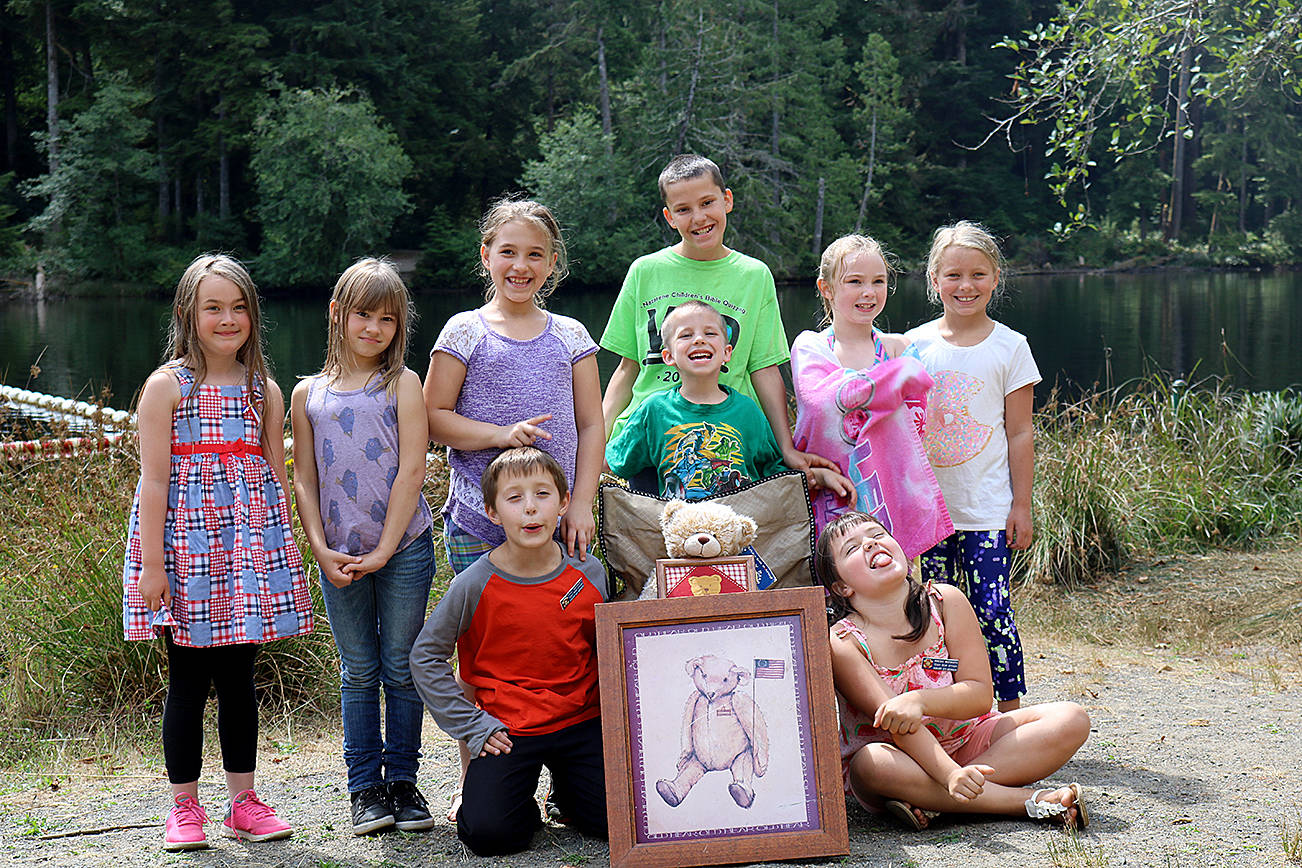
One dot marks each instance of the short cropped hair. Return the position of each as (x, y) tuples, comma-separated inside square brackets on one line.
[(520, 461), (685, 307), (686, 166)]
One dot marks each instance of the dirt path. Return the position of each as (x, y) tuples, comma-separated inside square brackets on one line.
[(1192, 761)]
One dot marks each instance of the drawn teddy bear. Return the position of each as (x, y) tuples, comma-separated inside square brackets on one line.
[(722, 729)]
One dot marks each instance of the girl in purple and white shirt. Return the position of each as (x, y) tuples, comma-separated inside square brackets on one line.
[(511, 374)]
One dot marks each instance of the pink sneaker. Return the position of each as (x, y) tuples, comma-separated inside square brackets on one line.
[(248, 819), (184, 828)]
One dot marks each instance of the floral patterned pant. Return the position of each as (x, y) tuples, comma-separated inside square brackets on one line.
[(976, 561)]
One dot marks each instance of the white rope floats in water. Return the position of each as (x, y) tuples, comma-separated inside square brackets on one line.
[(69, 407)]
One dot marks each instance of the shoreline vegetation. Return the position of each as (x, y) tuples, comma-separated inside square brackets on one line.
[(1160, 470), (21, 285)]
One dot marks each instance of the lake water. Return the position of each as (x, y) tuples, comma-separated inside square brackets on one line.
[(1083, 329)]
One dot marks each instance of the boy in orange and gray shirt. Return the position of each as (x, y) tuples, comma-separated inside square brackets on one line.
[(522, 619)]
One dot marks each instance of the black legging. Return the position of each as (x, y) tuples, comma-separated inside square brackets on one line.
[(229, 668)]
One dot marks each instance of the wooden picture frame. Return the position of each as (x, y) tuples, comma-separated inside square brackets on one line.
[(730, 575), (756, 668)]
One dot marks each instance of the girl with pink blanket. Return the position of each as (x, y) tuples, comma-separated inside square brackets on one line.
[(861, 397)]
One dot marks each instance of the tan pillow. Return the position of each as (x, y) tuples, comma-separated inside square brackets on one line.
[(631, 539)]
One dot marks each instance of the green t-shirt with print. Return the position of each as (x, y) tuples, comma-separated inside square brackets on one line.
[(739, 286), (698, 450)]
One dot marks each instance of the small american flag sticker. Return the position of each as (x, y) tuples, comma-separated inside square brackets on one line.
[(571, 594), (770, 668)]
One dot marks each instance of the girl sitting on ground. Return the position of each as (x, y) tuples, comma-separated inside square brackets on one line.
[(914, 692)]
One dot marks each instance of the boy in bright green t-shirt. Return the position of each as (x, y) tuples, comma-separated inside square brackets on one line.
[(700, 267)]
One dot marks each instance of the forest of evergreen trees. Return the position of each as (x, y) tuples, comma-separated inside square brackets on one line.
[(302, 135)]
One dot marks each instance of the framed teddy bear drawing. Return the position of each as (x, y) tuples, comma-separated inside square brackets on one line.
[(719, 729), (700, 577)]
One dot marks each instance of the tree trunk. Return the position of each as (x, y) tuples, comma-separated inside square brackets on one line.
[(775, 125), (662, 46), (1180, 150), (681, 141), (605, 86), (1243, 179), (51, 89), (223, 164), (818, 218), (10, 95), (164, 201), (868, 184)]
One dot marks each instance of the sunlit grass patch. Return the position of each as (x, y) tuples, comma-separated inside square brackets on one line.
[(1069, 850), (1290, 835), (1161, 466), (65, 669)]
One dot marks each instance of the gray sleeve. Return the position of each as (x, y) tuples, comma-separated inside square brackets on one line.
[(594, 572), (431, 667)]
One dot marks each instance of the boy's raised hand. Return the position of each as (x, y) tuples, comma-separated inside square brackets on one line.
[(523, 433), (804, 461), (497, 744), (832, 480)]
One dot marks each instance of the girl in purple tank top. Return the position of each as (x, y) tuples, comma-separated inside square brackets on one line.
[(359, 462), (914, 692), (511, 374)]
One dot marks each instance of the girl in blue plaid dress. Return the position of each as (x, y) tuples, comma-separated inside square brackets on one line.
[(211, 563)]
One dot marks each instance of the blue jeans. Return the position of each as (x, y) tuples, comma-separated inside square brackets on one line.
[(375, 620)]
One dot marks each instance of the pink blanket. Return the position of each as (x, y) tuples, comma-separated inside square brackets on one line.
[(869, 422)]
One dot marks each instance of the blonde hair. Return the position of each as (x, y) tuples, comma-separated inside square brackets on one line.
[(510, 210), (369, 284), (183, 335), (967, 234), (691, 304), (832, 264)]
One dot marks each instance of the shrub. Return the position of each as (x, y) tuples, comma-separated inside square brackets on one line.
[(1160, 464)]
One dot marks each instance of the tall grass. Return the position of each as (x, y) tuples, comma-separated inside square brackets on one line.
[(64, 666), (1154, 468), (1157, 466)]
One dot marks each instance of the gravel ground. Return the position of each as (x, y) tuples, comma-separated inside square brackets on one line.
[(1191, 761)]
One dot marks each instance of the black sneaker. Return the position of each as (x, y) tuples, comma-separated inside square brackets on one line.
[(409, 807), (371, 810)]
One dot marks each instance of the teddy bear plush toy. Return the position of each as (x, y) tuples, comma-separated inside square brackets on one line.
[(702, 529), (705, 530)]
